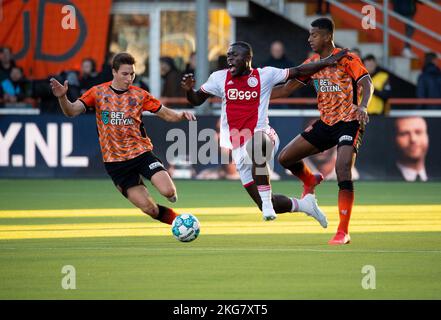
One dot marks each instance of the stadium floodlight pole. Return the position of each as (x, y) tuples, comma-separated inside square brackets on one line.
[(202, 48)]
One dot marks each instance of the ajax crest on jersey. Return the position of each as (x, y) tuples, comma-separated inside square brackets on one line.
[(185, 227), (253, 82)]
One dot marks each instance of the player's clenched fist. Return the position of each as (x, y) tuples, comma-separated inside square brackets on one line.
[(188, 81)]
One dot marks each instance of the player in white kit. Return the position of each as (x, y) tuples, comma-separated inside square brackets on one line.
[(245, 129)]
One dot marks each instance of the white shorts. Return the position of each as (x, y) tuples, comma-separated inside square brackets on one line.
[(244, 165)]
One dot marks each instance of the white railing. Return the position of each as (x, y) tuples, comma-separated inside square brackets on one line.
[(405, 20), (387, 31), (431, 4)]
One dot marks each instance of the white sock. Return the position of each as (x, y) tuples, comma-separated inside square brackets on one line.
[(265, 195), (298, 205), (295, 204)]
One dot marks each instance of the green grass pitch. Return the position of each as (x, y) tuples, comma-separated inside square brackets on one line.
[(119, 253)]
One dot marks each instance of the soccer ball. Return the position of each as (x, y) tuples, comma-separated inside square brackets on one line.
[(185, 227)]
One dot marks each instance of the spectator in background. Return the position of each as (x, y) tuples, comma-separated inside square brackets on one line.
[(190, 67), (142, 80), (6, 63), (429, 81), (106, 71), (408, 9), (278, 58), (89, 77), (357, 52), (320, 10), (412, 144), (221, 62), (380, 79), (15, 88), (48, 102), (171, 78)]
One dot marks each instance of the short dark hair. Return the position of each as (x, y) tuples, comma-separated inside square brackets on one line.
[(324, 23), (429, 57), (122, 58), (244, 45), (370, 57)]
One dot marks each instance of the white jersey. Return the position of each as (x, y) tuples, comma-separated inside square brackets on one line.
[(245, 101)]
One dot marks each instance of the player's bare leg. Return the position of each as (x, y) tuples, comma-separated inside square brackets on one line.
[(291, 158), (140, 197), (284, 204), (345, 161), (259, 149), (165, 185)]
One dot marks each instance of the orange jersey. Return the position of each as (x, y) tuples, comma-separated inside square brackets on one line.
[(121, 131), (337, 87)]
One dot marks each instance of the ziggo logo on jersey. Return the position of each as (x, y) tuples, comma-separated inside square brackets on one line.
[(234, 94)]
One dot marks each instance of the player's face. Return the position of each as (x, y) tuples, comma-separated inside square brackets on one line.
[(370, 65), (412, 139), (238, 60), (318, 39), (125, 76)]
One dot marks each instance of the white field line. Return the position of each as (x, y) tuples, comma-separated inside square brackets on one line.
[(226, 250)]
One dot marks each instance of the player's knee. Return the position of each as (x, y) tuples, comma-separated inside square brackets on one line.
[(168, 191), (150, 208), (282, 158), (286, 162)]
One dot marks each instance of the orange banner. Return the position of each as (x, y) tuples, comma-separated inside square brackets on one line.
[(49, 36)]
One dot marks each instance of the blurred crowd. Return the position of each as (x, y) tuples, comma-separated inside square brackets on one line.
[(16, 90)]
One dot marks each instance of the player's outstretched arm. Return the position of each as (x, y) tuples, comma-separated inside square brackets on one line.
[(285, 90), (174, 116), (196, 98), (308, 69), (69, 109), (368, 90)]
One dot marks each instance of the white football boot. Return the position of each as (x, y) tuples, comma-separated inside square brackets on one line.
[(268, 213), (309, 206)]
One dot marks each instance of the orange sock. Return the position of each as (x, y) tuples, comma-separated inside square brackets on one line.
[(166, 215), (345, 203), (302, 171)]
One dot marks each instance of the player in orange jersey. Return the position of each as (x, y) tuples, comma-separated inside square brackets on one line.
[(343, 117), (125, 146)]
